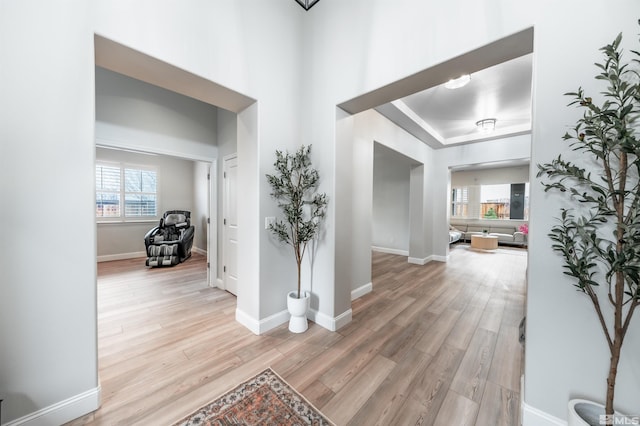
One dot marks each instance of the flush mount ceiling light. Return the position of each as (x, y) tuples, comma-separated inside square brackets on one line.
[(307, 4), (456, 83), (486, 125)]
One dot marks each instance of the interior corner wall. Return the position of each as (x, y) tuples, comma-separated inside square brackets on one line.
[(390, 206), (369, 127), (139, 116)]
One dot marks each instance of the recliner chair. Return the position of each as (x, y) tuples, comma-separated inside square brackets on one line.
[(170, 242)]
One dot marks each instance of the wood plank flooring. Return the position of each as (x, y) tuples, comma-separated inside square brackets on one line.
[(431, 345)]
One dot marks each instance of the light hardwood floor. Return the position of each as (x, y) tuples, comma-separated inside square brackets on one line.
[(431, 345)]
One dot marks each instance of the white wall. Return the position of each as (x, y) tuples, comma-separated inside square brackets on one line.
[(176, 191), (390, 210), (47, 309), (358, 135), (137, 115), (490, 176), (558, 317)]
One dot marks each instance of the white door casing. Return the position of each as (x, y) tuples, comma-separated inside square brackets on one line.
[(230, 225), (212, 228)]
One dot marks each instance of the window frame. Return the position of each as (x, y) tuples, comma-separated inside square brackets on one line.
[(123, 218), (474, 202), (463, 203)]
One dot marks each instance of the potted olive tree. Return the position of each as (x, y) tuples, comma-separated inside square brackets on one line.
[(599, 239), (294, 186)]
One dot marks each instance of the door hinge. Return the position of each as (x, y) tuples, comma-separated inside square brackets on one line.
[(208, 176), (208, 220), (224, 175), (208, 265), (224, 222), (224, 269)]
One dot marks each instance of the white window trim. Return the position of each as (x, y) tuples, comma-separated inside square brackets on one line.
[(132, 219)]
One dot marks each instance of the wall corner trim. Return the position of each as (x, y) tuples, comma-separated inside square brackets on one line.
[(532, 416), (331, 324), (361, 291), (261, 326), (420, 261), (63, 411)]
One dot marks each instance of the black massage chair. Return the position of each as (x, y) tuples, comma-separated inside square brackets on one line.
[(170, 242)]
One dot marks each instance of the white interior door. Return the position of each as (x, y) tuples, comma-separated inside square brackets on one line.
[(230, 225)]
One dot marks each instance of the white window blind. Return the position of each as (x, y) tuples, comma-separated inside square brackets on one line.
[(107, 191), (460, 202), (125, 192), (140, 193)]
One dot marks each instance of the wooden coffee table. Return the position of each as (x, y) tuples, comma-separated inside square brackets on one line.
[(483, 242)]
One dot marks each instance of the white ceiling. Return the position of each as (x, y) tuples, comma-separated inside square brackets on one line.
[(441, 117)]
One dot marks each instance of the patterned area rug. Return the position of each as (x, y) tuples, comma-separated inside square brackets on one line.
[(265, 399)]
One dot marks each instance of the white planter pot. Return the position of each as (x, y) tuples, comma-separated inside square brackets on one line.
[(583, 412), (298, 310)]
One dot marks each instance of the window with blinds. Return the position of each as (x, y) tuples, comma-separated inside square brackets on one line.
[(107, 191), (460, 202), (139, 193), (125, 192)]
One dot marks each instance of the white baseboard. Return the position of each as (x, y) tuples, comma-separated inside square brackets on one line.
[(420, 261), (531, 416), (390, 250), (361, 291), (262, 326), (63, 411), (279, 318), (331, 324), (121, 256), (220, 283), (199, 250), (343, 319)]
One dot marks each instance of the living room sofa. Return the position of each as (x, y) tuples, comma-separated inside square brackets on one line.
[(506, 234)]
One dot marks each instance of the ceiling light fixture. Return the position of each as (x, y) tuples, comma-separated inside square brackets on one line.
[(307, 4), (456, 83), (486, 125)]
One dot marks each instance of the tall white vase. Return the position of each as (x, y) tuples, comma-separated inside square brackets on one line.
[(298, 310), (583, 412)]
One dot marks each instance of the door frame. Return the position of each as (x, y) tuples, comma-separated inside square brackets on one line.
[(225, 253), (212, 214)]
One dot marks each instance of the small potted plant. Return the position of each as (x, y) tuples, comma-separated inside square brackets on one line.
[(294, 186), (599, 238)]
